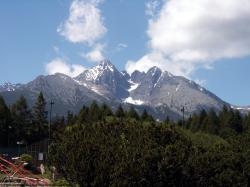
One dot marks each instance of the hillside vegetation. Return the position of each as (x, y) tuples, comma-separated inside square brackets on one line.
[(101, 147)]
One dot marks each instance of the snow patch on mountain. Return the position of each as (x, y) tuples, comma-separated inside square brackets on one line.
[(132, 101), (240, 108), (9, 87), (133, 86), (91, 87), (177, 88), (158, 80)]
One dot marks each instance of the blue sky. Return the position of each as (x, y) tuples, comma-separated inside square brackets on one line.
[(35, 39)]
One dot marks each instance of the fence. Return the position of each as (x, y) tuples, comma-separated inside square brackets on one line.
[(33, 150)]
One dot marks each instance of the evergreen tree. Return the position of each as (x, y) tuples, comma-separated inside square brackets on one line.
[(144, 115), (5, 123), (132, 113), (194, 122), (120, 112), (40, 117), (224, 116), (246, 122), (94, 111), (21, 117), (167, 120), (106, 111), (237, 122), (211, 123), (202, 117), (83, 115), (71, 118)]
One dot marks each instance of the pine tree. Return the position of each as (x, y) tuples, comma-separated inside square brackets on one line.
[(194, 123), (94, 111), (237, 122), (212, 122), (132, 113), (120, 112), (106, 111), (167, 120), (40, 117), (202, 117), (146, 117), (5, 123), (224, 117), (21, 117), (246, 122), (71, 118), (83, 115)]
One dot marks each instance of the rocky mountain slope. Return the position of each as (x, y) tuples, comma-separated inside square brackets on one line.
[(160, 92)]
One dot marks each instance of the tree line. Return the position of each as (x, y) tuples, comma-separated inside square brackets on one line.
[(226, 122), (19, 123)]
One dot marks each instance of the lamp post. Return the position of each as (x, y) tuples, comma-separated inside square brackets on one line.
[(9, 128)]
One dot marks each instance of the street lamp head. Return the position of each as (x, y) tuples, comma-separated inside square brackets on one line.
[(20, 143)]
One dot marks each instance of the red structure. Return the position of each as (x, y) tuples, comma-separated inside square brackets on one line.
[(17, 174)]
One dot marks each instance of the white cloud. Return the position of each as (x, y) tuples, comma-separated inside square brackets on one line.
[(152, 7), (59, 65), (201, 82), (85, 23), (121, 46), (186, 35), (56, 49), (96, 55)]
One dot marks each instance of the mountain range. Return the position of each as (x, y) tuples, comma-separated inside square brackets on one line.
[(159, 92)]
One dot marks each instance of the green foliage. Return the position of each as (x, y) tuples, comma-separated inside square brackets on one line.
[(131, 152), (226, 122), (5, 123), (26, 158), (21, 120), (132, 113), (39, 123), (99, 148), (120, 112), (146, 117), (19, 123)]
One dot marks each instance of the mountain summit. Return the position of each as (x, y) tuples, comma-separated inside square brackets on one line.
[(105, 78), (162, 93)]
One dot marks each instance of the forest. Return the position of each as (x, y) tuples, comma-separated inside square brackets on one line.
[(102, 147)]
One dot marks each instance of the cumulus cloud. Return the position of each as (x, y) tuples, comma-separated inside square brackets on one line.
[(186, 35), (96, 55), (85, 23), (152, 7), (59, 65)]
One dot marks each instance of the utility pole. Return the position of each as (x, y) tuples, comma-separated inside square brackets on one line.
[(9, 128), (51, 104)]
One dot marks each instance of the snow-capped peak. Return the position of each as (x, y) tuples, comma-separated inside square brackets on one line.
[(94, 73), (154, 70), (7, 86)]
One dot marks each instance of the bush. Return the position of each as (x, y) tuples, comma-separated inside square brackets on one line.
[(26, 158)]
